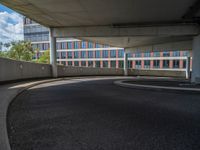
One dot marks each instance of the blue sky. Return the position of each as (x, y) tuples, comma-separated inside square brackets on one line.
[(3, 8), (11, 25)]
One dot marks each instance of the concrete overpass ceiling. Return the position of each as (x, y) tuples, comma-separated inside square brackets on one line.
[(118, 16), (59, 13)]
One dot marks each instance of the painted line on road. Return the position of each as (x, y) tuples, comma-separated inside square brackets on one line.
[(155, 87)]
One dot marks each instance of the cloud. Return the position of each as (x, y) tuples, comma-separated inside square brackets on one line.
[(11, 27)]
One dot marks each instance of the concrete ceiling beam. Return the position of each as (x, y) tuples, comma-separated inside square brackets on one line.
[(172, 46), (109, 31)]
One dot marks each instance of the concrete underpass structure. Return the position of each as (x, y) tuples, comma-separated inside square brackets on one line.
[(137, 25)]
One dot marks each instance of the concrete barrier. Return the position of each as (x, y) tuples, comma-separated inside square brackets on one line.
[(17, 70), (158, 73), (88, 71)]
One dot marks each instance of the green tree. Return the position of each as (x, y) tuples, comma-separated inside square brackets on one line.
[(45, 58), (37, 53), (21, 50), (3, 54)]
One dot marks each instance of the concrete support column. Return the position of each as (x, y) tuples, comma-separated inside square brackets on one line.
[(187, 70), (125, 63), (196, 60), (53, 60)]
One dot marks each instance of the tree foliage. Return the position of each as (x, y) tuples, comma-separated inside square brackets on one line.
[(3, 54), (45, 58), (21, 50)]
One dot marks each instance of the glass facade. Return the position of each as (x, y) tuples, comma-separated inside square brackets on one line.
[(83, 53)]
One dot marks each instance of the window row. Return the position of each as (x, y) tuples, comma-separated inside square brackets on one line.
[(35, 29), (37, 37), (91, 54), (138, 64), (159, 54), (113, 64)]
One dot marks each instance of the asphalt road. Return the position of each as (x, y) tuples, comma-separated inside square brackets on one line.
[(98, 115)]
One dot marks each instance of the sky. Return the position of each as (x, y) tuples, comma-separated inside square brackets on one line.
[(11, 25)]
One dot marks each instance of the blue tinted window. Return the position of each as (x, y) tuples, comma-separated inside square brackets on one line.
[(90, 45), (176, 53), (97, 54), (156, 63), (69, 63), (156, 54), (186, 53), (97, 45), (165, 63), (176, 63), (105, 64), (166, 54), (83, 63), (63, 55), (83, 44), (113, 64), (69, 54), (105, 54), (130, 55), (121, 53), (138, 54), (90, 63), (76, 54), (138, 64), (76, 63), (97, 64), (147, 64), (147, 54), (90, 54), (69, 45), (83, 54), (63, 45), (76, 45), (113, 53)]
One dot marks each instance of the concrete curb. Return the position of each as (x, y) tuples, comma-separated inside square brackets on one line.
[(7, 95), (156, 88)]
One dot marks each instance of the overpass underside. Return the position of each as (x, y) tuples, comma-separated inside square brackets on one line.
[(136, 25)]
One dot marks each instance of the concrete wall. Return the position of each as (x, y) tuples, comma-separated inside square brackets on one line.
[(158, 73), (15, 70), (86, 71)]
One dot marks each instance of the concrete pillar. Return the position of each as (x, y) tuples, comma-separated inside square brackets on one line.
[(187, 70), (125, 63), (53, 60), (196, 60)]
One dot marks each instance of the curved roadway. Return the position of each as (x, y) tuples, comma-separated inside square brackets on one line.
[(83, 114)]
